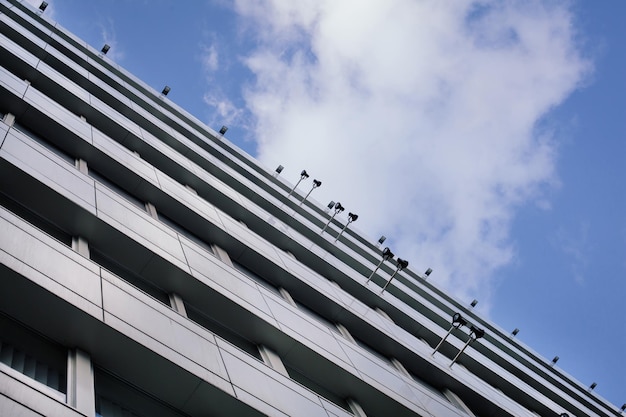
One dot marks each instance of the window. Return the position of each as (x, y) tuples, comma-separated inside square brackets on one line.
[(371, 350), (43, 224), (129, 276), (256, 277), (317, 387), (223, 331), (118, 190), (116, 398), (32, 355), (44, 142), (317, 316), (185, 232)]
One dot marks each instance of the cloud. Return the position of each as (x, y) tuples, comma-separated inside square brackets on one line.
[(424, 117), (209, 58), (575, 248), (109, 37)]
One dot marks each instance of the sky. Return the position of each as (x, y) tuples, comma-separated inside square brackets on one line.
[(485, 138)]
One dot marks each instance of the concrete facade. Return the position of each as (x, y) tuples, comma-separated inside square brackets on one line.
[(148, 267)]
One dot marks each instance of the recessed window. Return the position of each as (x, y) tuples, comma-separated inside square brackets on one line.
[(185, 232), (223, 331), (117, 398), (32, 354), (102, 179), (256, 277), (129, 276), (46, 143), (40, 222)]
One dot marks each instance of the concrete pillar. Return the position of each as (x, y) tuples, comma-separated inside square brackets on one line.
[(81, 393), (178, 304), (80, 245), (81, 165), (272, 359)]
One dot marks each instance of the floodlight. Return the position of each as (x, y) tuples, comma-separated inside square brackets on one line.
[(351, 218), (338, 209), (303, 176), (166, 90), (400, 265), (428, 272), (623, 407), (387, 254), (515, 332), (474, 302), (554, 360), (382, 239), (223, 130), (316, 184), (105, 48), (43, 6), (475, 333), (592, 386), (563, 415), (279, 169), (331, 204), (457, 322)]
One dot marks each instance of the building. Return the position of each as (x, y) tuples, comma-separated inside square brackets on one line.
[(148, 267)]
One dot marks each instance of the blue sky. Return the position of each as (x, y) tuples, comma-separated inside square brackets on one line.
[(486, 139)]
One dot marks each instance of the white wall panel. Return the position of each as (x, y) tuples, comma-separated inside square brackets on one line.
[(49, 263), (45, 166)]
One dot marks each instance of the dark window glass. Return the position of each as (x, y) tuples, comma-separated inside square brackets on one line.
[(256, 277), (223, 331), (129, 276), (46, 143), (117, 189), (40, 222), (32, 354)]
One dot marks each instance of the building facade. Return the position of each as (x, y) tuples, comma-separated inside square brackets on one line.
[(148, 267)]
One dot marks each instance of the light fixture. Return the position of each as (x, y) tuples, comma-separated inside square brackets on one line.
[(351, 218), (166, 90), (105, 48), (381, 240), (316, 184), (338, 209), (515, 332), (475, 333), (279, 169), (43, 6), (428, 272), (457, 322), (387, 254), (592, 386), (554, 360), (303, 176), (474, 302), (400, 265), (563, 415), (223, 130), (623, 407), (329, 206)]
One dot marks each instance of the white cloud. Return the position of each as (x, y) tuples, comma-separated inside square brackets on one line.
[(109, 37), (420, 116), (210, 58)]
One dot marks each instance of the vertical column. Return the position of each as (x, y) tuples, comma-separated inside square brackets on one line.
[(80, 382), (356, 409), (272, 359), (80, 245), (222, 254), (178, 304)]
